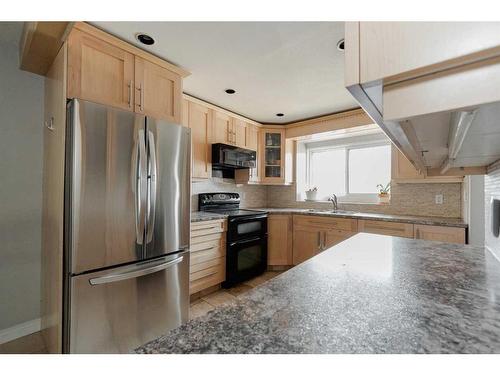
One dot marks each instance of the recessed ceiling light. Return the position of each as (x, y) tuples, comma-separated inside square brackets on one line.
[(145, 39), (230, 91), (340, 45), (279, 114)]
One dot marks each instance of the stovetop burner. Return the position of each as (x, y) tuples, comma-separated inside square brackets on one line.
[(224, 203)]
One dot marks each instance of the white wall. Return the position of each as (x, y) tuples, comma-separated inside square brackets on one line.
[(21, 143)]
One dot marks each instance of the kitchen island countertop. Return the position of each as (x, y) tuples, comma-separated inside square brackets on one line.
[(368, 294)]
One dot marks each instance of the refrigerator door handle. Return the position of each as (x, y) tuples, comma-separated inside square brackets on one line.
[(152, 181), (140, 187), (140, 271)]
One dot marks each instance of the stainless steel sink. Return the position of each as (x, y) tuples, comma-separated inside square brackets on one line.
[(339, 212)]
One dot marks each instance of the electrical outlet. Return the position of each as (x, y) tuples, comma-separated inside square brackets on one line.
[(439, 198)]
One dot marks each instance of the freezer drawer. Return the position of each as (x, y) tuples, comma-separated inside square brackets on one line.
[(117, 310)]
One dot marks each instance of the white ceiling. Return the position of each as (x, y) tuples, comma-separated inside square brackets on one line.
[(288, 67)]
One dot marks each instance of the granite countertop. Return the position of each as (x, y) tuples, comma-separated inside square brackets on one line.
[(426, 220), (205, 216), (368, 294)]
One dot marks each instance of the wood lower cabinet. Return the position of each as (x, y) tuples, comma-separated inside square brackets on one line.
[(99, 71), (279, 240), (313, 234), (200, 122), (208, 255), (438, 233), (157, 91), (389, 228), (306, 244)]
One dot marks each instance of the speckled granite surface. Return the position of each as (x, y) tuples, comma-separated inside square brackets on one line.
[(426, 220), (369, 294), (443, 221), (205, 216)]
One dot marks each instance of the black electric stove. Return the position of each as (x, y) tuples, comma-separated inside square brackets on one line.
[(246, 241)]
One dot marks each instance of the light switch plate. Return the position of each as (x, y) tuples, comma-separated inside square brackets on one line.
[(439, 199)]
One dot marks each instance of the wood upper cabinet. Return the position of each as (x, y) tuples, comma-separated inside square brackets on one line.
[(239, 128), (106, 70), (99, 71), (222, 128), (185, 113), (157, 91), (404, 171), (252, 137), (279, 248), (272, 155), (200, 123), (438, 233)]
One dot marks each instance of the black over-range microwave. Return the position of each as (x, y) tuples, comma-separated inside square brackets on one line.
[(232, 157)]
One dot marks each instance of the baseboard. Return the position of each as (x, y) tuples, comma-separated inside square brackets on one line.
[(20, 330)]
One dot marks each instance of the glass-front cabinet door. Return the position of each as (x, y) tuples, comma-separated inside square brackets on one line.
[(272, 152)]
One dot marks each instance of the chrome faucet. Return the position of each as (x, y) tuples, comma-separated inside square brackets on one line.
[(333, 198)]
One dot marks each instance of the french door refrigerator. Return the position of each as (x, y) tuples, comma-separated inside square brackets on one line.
[(127, 220)]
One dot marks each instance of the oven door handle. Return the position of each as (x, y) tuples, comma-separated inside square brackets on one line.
[(244, 219), (241, 242)]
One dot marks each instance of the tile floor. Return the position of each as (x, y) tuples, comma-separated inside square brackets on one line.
[(33, 344), (220, 297)]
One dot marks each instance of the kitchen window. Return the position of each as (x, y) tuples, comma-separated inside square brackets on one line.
[(349, 167)]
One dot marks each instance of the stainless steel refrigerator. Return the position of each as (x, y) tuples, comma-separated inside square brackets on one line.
[(127, 219)]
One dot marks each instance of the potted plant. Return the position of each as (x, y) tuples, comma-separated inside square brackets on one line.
[(383, 193), (311, 194)]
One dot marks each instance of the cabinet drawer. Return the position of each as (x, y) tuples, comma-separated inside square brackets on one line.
[(203, 228), (208, 277), (207, 255), (207, 242), (389, 228), (195, 270), (325, 222), (438, 233)]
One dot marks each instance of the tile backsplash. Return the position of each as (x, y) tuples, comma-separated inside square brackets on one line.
[(406, 199)]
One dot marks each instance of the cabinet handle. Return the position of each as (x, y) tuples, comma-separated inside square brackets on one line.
[(50, 124), (324, 241), (130, 94), (319, 240), (141, 97)]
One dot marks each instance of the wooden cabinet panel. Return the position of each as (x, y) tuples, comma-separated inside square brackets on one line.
[(272, 156), (252, 137), (326, 223), (157, 91), (306, 244), (200, 123), (239, 132), (401, 168), (185, 113), (99, 71), (388, 228), (208, 255), (333, 237), (438, 233), (279, 242), (393, 48), (222, 128)]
